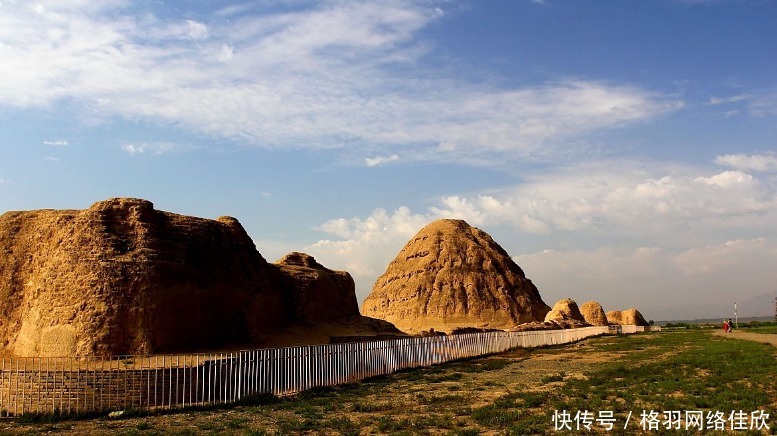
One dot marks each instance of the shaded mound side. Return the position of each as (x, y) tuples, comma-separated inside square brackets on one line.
[(323, 303), (451, 275), (316, 294)]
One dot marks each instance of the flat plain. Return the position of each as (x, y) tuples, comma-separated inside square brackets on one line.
[(649, 383)]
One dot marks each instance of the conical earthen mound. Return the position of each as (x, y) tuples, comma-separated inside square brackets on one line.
[(452, 275), (593, 313)]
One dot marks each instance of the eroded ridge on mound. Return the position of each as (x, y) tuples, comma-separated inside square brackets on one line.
[(124, 278), (452, 275)]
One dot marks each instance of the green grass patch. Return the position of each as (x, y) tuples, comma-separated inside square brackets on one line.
[(700, 372), (764, 329), (482, 364), (441, 400), (236, 423), (341, 425), (495, 416), (369, 407), (456, 376), (553, 378)]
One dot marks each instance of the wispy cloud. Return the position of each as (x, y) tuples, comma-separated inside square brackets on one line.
[(633, 199), (197, 30), (759, 103), (724, 100), (744, 162), (151, 148), (51, 159), (321, 77), (764, 103), (58, 142), (380, 160)]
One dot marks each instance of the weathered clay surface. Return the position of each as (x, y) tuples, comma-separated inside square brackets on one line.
[(124, 278), (626, 317), (565, 309), (566, 314), (593, 313), (318, 294), (451, 275)]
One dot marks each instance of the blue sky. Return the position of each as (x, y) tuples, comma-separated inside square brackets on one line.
[(624, 152)]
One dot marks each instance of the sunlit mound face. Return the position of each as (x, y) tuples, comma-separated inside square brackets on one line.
[(452, 275)]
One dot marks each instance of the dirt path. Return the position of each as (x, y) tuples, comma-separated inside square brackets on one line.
[(765, 338)]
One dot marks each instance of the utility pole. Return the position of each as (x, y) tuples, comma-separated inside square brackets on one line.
[(736, 318), (775, 309)]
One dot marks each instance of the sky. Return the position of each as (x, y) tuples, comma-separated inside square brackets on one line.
[(623, 152)]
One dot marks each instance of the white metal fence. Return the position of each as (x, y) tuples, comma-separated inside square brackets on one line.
[(92, 384)]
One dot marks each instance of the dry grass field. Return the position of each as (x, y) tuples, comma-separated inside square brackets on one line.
[(634, 383)]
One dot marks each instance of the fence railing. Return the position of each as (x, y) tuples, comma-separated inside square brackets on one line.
[(627, 329), (71, 385)]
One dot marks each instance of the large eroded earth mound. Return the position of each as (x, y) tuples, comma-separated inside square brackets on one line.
[(452, 275), (124, 278)]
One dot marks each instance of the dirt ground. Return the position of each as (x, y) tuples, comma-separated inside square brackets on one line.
[(757, 337)]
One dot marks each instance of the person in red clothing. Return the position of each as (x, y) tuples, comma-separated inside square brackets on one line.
[(725, 326)]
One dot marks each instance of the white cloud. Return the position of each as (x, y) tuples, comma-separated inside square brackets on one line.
[(317, 77), (657, 208), (761, 103), (380, 160), (58, 142), (728, 256), (152, 148), (757, 162), (226, 53), (51, 159), (656, 278), (366, 246), (724, 100), (197, 30)]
